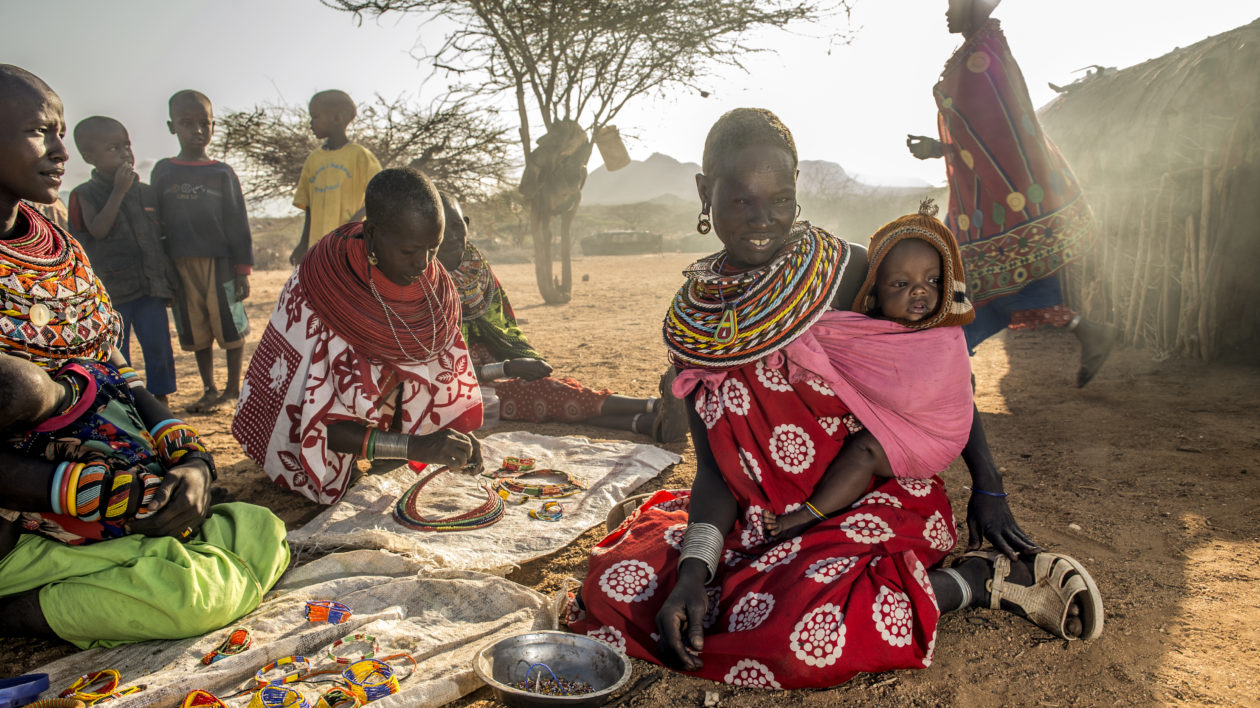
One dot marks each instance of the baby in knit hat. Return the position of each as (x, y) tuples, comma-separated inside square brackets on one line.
[(915, 275), (915, 278)]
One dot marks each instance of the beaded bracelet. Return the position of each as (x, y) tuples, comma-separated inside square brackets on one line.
[(87, 498), (201, 699), (287, 678), (238, 641), (338, 697), (326, 611), (350, 639), (814, 510), (549, 511), (370, 680), (130, 377), (518, 464), (986, 492), (109, 677), (278, 697)]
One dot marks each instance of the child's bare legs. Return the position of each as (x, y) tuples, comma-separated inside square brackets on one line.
[(209, 392), (21, 616), (232, 390)]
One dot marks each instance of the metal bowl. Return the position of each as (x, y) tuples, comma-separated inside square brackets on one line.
[(572, 656)]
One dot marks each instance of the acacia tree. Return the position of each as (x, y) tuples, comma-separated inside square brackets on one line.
[(577, 63), (465, 151)]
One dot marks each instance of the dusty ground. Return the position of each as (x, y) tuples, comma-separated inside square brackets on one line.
[(1148, 475)]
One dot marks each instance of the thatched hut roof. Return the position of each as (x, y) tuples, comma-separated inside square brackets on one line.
[(1165, 114)]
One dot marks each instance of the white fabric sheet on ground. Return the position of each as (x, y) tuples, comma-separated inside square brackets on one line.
[(441, 618), (364, 516)]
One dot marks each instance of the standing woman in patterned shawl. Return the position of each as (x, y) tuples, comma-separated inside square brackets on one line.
[(1015, 206), (362, 357), (785, 384)]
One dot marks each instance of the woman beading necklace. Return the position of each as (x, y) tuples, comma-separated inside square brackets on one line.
[(390, 313)]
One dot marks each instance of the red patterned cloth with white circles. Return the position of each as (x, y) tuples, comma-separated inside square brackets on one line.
[(850, 594)]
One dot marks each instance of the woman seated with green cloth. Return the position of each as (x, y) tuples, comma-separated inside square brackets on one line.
[(362, 358), (185, 568), (508, 364)]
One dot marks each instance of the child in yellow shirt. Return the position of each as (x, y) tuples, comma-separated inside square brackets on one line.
[(335, 176)]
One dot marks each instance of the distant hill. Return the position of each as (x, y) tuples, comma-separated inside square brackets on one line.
[(661, 178)]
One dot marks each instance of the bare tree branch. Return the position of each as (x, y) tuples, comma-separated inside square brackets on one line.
[(465, 150)]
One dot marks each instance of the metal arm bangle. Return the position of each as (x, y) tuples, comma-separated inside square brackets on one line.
[(490, 372), (703, 542), (391, 446)]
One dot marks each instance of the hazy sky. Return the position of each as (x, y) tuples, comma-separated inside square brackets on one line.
[(852, 104)]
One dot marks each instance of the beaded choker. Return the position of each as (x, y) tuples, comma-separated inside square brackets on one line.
[(722, 321), (406, 511)]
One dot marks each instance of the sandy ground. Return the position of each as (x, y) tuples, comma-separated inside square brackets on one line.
[(1148, 475)]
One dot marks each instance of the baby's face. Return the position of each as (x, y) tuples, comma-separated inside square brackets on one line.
[(908, 284)]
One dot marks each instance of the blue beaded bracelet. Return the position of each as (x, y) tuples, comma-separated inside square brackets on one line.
[(990, 494)]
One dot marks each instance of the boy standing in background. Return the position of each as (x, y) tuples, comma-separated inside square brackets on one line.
[(335, 176), (113, 215), (202, 212)]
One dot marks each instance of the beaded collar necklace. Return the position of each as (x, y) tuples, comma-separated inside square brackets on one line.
[(722, 321)]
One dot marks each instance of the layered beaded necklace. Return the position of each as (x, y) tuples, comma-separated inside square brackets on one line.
[(724, 320)]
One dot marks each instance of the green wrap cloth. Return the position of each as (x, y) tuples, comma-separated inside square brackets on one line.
[(135, 588)]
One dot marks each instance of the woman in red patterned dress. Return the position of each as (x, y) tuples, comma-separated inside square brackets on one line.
[(780, 375)]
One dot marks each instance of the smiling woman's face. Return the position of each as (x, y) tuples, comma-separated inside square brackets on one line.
[(753, 200), (404, 245)]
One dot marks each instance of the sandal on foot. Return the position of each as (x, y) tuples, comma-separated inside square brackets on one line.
[(670, 423), (1057, 581)]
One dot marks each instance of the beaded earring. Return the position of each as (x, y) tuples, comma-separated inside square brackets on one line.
[(703, 225), (372, 258)]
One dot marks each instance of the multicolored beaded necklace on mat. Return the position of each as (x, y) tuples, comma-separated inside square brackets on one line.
[(406, 511), (508, 484), (721, 321)]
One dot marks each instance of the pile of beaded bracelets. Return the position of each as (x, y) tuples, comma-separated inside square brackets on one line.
[(278, 697), (201, 699), (338, 697), (107, 679), (304, 667), (407, 513), (370, 680), (326, 611), (237, 642), (509, 484), (549, 511), (173, 438), (351, 639), (517, 464)]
